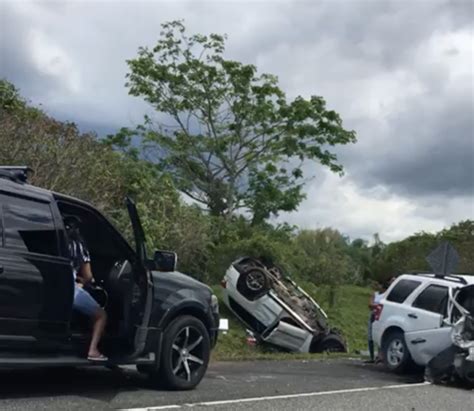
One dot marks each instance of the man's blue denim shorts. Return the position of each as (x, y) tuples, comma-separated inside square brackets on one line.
[(84, 303)]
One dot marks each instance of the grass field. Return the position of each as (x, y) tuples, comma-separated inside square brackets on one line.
[(349, 314)]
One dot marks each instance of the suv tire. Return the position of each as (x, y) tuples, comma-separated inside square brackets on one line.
[(184, 355), (396, 356), (253, 283), (331, 343)]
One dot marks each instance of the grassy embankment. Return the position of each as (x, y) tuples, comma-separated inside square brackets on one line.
[(349, 314)]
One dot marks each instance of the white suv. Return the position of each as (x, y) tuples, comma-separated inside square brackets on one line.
[(410, 321)]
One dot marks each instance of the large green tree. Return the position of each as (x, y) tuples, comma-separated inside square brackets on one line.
[(229, 136)]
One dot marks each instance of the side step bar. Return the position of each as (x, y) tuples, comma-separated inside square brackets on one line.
[(15, 360)]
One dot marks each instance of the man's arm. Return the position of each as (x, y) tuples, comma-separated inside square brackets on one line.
[(86, 273)]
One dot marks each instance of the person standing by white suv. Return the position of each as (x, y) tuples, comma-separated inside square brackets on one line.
[(374, 302)]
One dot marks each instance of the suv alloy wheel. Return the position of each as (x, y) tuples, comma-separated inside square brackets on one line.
[(395, 352), (185, 353)]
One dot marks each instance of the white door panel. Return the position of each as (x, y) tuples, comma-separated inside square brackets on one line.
[(416, 319), (425, 344)]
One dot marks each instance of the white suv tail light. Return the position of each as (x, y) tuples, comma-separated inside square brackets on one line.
[(378, 311)]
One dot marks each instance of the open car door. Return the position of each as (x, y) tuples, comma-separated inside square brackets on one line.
[(138, 233), (426, 344), (143, 277)]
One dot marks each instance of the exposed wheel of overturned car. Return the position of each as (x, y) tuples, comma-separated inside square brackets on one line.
[(331, 343), (253, 283), (184, 356)]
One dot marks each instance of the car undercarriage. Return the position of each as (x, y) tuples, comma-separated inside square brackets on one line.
[(287, 316)]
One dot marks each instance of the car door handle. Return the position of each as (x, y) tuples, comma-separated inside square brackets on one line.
[(411, 315), (418, 341)]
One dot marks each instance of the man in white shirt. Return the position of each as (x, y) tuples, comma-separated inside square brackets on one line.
[(83, 301)]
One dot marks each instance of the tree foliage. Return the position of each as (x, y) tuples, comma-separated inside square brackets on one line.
[(410, 254), (63, 159), (324, 259), (235, 141)]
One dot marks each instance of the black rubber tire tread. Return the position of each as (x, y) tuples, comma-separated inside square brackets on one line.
[(164, 376), (331, 343), (246, 291)]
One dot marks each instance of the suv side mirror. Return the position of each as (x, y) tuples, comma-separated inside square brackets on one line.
[(165, 260)]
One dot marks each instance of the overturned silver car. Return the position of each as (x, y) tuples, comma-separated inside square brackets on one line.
[(276, 309)]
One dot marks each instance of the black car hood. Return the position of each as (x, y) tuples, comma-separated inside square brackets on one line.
[(179, 279)]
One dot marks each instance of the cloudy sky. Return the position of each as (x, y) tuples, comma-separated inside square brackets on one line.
[(399, 72)]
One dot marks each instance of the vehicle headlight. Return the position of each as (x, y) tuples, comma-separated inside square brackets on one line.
[(214, 304)]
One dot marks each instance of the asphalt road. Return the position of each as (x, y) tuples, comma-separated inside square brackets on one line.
[(261, 385)]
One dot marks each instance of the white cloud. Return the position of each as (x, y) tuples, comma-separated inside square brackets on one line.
[(338, 202), (50, 59), (453, 50)]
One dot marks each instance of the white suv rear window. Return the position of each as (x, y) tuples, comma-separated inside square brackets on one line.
[(402, 290)]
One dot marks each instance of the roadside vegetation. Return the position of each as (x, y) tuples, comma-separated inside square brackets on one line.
[(232, 144)]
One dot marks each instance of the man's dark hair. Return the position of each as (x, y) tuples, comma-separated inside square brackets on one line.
[(387, 283), (72, 223)]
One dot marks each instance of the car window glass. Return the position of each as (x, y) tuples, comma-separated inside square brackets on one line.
[(434, 298), (402, 290), (29, 226)]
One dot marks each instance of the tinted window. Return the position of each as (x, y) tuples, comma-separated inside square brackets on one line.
[(29, 226), (434, 298), (402, 290)]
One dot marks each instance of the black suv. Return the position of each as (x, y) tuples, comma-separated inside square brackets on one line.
[(159, 319)]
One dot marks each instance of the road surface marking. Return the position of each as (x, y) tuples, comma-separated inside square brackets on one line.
[(276, 397)]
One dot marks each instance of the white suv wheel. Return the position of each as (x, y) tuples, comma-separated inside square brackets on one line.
[(396, 355), (395, 352)]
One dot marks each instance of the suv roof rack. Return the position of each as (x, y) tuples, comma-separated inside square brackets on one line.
[(18, 174), (449, 277)]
